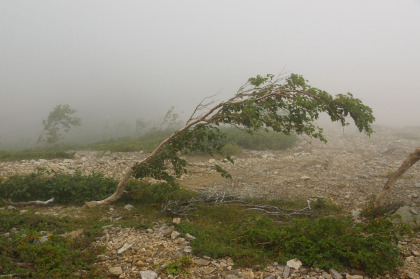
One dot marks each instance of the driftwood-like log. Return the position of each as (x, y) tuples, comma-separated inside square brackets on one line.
[(411, 160), (43, 203)]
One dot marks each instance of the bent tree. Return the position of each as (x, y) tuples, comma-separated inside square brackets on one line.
[(280, 104), (60, 118)]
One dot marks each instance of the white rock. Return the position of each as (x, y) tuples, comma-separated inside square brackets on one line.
[(176, 221), (124, 248), (174, 234), (305, 177), (286, 272), (115, 271), (335, 274), (167, 231), (148, 274), (212, 161), (128, 207), (189, 237), (294, 263)]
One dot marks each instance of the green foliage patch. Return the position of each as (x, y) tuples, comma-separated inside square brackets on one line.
[(24, 254), (179, 266), (64, 188), (34, 155), (259, 140), (324, 242), (155, 193), (331, 242)]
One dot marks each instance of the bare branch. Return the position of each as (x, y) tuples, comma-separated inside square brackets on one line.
[(42, 203)]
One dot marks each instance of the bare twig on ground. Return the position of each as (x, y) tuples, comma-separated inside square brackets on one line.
[(42, 203), (184, 208)]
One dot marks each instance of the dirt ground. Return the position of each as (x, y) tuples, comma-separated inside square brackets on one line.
[(349, 169)]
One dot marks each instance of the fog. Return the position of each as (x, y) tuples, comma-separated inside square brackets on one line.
[(122, 60)]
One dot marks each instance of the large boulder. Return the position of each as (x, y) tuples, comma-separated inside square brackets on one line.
[(410, 215)]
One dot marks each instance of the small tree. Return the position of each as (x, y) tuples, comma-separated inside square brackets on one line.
[(272, 103), (59, 119)]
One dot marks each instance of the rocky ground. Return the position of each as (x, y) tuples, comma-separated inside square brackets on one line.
[(349, 169)]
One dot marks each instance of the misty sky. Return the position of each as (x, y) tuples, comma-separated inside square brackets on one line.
[(131, 59)]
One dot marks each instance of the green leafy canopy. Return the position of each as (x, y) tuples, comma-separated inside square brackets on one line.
[(265, 102)]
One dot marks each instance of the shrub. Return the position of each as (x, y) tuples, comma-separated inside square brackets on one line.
[(34, 155), (178, 266), (23, 255), (326, 242), (369, 210), (155, 193), (260, 140), (331, 242), (65, 188), (231, 149)]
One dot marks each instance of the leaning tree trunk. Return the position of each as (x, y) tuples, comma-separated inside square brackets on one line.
[(130, 170), (120, 188), (411, 160)]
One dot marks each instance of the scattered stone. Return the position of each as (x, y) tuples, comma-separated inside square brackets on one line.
[(128, 207), (408, 216), (174, 235), (176, 221), (201, 262), (167, 231), (42, 239), (11, 208), (335, 274), (286, 271), (189, 237), (15, 230), (124, 248), (74, 234), (148, 274), (294, 263), (305, 177), (115, 271), (348, 276)]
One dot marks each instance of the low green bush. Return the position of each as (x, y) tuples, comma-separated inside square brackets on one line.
[(155, 193), (34, 155), (231, 149), (260, 140), (331, 242), (24, 255), (325, 242), (387, 209), (179, 266), (64, 188), (234, 141)]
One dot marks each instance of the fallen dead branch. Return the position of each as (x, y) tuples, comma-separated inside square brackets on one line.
[(42, 203), (182, 208), (185, 208)]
